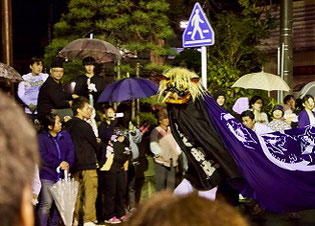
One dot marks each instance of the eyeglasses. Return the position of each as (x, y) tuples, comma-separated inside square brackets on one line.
[(57, 70)]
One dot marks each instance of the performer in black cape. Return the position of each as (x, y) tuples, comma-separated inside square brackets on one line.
[(277, 169)]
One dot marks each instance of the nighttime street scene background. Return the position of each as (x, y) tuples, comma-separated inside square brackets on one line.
[(157, 112)]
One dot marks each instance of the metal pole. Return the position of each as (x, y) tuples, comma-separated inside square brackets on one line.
[(6, 18), (282, 68), (204, 66), (6, 33), (118, 71), (138, 100), (278, 71), (118, 78), (286, 37)]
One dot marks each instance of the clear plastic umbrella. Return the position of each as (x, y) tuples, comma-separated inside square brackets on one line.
[(100, 50), (65, 193), (9, 72), (309, 88)]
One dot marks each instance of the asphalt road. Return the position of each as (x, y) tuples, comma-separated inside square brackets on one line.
[(273, 219)]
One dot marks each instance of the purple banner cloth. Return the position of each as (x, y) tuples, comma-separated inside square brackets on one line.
[(279, 167)]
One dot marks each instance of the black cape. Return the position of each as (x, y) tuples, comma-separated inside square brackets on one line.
[(209, 161)]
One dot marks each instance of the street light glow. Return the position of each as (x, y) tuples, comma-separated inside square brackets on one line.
[(183, 24)]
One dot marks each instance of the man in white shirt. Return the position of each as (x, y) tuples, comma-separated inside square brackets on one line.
[(28, 89), (248, 119)]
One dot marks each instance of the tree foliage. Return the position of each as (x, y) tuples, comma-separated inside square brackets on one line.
[(141, 27), (236, 51)]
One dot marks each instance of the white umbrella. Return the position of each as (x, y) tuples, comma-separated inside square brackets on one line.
[(262, 80), (309, 88), (65, 195)]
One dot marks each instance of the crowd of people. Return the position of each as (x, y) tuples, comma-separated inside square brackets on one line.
[(93, 142), (284, 116), (100, 145)]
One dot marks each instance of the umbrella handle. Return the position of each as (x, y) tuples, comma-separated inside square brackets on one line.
[(66, 175)]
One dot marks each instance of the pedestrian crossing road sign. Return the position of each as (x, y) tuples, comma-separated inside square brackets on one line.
[(199, 31)]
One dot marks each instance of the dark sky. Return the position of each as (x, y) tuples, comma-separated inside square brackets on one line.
[(31, 22), (30, 27)]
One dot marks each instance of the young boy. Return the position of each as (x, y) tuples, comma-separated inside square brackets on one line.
[(28, 89), (86, 149)]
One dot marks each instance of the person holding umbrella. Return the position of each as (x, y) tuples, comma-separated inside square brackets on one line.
[(57, 153), (256, 104), (89, 85)]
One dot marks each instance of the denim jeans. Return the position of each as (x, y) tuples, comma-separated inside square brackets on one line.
[(47, 205)]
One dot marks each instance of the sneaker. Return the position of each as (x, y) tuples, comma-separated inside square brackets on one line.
[(75, 222), (124, 218), (89, 224), (113, 220)]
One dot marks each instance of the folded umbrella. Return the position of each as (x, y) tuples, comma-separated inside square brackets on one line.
[(65, 193)]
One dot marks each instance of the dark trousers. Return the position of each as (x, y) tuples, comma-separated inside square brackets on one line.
[(131, 187), (100, 197), (164, 177), (114, 194)]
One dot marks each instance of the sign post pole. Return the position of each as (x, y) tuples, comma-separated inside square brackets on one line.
[(204, 66)]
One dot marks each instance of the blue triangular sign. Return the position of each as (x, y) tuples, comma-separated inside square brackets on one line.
[(199, 31)]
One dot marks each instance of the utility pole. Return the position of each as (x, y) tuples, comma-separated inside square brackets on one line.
[(286, 41), (6, 33)]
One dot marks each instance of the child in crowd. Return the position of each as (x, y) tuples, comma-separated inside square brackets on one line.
[(278, 123), (118, 153)]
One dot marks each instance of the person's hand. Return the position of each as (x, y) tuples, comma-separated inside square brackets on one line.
[(98, 140), (121, 139), (34, 199), (66, 118), (75, 96), (35, 196), (32, 107), (64, 165), (92, 87), (144, 128)]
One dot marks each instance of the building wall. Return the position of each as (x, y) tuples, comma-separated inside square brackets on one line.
[(303, 44)]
